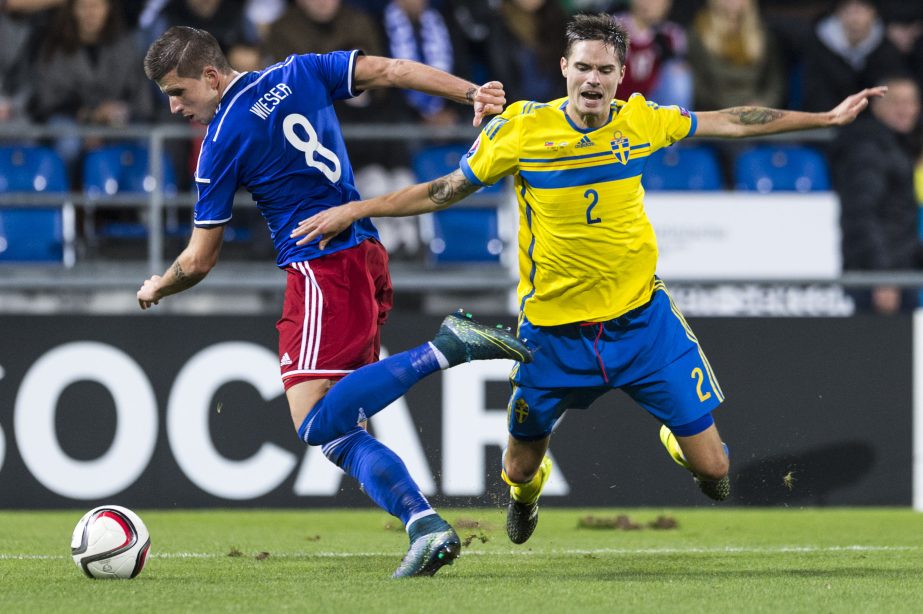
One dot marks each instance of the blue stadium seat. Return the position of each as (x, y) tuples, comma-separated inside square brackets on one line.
[(772, 168), (469, 232), (33, 234), (682, 168), (465, 235), (123, 169)]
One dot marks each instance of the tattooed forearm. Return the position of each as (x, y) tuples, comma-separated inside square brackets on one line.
[(754, 115), (469, 95), (450, 189), (182, 279)]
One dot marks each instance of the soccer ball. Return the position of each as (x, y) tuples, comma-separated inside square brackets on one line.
[(110, 542)]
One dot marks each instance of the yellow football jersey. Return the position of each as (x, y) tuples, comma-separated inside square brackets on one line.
[(587, 251)]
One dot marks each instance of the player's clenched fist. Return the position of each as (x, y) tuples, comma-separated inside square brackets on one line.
[(149, 295), (488, 100)]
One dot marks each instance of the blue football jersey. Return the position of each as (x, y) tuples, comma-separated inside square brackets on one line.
[(275, 133)]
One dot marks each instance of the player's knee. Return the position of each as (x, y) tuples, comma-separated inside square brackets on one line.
[(519, 472), (714, 468)]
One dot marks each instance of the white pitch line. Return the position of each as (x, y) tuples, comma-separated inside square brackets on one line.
[(553, 552)]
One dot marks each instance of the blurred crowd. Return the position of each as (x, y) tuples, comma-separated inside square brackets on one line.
[(78, 62)]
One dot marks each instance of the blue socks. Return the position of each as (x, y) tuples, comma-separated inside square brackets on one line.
[(366, 391), (382, 474)]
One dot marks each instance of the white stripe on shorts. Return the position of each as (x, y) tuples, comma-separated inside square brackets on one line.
[(334, 372), (312, 326), (318, 317)]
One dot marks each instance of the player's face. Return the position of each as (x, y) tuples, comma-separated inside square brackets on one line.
[(593, 74), (194, 99)]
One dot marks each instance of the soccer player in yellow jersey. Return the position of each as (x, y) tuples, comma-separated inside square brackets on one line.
[(589, 297)]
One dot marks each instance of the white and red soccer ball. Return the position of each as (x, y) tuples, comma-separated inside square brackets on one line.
[(110, 542)]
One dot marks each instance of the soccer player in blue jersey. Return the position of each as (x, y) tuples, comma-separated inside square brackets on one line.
[(589, 296), (275, 133)]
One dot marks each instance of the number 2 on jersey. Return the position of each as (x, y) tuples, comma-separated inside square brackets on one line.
[(311, 147), (697, 375), (593, 195)]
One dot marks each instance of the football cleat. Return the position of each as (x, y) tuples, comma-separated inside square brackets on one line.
[(428, 553), (522, 512), (462, 339), (521, 520), (718, 490)]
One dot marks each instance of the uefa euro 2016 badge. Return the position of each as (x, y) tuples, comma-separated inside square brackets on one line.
[(620, 147), (474, 147)]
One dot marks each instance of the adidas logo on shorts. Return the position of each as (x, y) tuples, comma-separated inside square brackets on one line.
[(285, 360)]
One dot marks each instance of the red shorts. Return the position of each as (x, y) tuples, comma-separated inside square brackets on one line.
[(333, 312)]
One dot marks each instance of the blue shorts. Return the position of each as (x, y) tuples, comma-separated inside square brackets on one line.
[(651, 353)]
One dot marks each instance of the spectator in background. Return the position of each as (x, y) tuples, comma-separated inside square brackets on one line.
[(15, 32), (87, 72), (590, 6), (262, 14), (656, 65), (471, 21), (734, 58), (415, 31), (225, 19), (873, 173), (904, 26), (849, 52), (321, 26), (523, 48)]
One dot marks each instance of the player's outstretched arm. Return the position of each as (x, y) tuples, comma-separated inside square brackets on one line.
[(753, 121), (374, 72), (413, 200), (190, 267)]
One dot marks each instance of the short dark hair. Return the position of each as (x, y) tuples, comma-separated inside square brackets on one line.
[(600, 27), (188, 50)]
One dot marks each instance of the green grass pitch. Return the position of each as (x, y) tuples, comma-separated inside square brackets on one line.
[(779, 560)]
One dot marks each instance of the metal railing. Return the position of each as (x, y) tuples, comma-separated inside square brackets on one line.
[(234, 277), (156, 201)]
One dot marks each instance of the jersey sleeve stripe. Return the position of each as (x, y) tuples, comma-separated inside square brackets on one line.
[(205, 223), (469, 174), (694, 124), (352, 72), (202, 180)]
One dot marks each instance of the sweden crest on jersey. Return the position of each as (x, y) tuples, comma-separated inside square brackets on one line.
[(620, 147)]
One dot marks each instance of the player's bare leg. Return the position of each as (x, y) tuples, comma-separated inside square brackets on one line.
[(526, 469), (705, 455), (303, 396)]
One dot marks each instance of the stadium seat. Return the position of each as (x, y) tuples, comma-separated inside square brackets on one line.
[(470, 232), (123, 169), (791, 168), (682, 168), (35, 234)]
